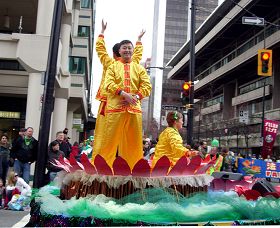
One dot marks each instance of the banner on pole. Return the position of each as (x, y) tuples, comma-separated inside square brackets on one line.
[(269, 136)]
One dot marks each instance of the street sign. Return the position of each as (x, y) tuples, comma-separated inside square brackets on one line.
[(172, 107), (253, 20), (243, 116)]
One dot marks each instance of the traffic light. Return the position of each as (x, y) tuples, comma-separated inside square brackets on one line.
[(186, 93), (265, 62)]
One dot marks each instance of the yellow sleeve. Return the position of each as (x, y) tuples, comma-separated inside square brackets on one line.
[(176, 144), (137, 53), (145, 84), (100, 48), (110, 84)]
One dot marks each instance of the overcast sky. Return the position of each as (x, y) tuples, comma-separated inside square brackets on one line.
[(125, 19)]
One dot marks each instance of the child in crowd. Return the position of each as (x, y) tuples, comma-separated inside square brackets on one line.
[(16, 185)]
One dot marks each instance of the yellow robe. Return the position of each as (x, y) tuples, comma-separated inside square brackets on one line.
[(106, 61), (170, 144), (124, 122)]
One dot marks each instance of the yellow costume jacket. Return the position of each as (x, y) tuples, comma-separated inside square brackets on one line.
[(129, 77), (170, 144), (106, 61)]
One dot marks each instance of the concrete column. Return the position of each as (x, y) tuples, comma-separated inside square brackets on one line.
[(69, 4), (59, 115), (34, 105), (69, 122), (69, 125), (65, 39), (228, 110), (44, 17), (76, 13), (72, 132)]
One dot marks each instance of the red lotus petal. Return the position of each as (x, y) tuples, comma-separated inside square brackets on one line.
[(251, 194), (89, 168), (120, 167), (141, 169), (101, 166), (274, 194), (73, 162), (161, 168)]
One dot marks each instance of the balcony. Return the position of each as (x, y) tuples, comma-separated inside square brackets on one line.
[(213, 108), (252, 95)]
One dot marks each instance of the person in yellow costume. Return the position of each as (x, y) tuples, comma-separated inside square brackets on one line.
[(126, 83), (219, 158), (170, 142), (106, 61)]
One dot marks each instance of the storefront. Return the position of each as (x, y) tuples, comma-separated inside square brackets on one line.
[(12, 116)]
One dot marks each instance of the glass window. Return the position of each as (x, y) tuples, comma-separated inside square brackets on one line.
[(83, 31), (77, 65), (85, 3), (10, 65)]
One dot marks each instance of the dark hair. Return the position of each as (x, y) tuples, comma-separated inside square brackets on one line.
[(172, 117), (54, 143), (116, 49), (4, 135), (196, 146), (65, 131), (125, 42), (29, 128), (224, 150), (22, 130), (76, 144)]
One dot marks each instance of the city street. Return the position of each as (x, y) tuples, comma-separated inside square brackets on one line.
[(10, 218)]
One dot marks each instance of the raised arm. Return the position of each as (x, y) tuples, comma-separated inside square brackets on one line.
[(138, 50), (100, 48)]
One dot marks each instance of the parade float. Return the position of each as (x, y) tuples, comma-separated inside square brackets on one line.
[(86, 194)]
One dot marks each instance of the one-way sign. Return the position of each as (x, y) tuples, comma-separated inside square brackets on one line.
[(253, 20)]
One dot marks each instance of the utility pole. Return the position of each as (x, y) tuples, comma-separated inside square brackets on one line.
[(48, 98), (191, 74)]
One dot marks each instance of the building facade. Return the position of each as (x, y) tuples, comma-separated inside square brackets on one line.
[(229, 85), (175, 29), (25, 29)]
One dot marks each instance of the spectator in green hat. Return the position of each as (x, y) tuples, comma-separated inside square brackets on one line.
[(214, 155), (215, 143)]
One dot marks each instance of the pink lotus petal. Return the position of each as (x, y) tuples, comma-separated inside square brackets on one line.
[(120, 167), (239, 189), (66, 161), (180, 166), (62, 161), (161, 168), (64, 167), (204, 167), (101, 166), (141, 169), (193, 166)]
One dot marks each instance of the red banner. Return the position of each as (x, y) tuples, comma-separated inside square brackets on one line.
[(269, 136)]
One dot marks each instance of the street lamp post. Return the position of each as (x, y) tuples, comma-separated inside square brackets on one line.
[(39, 175), (191, 74)]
